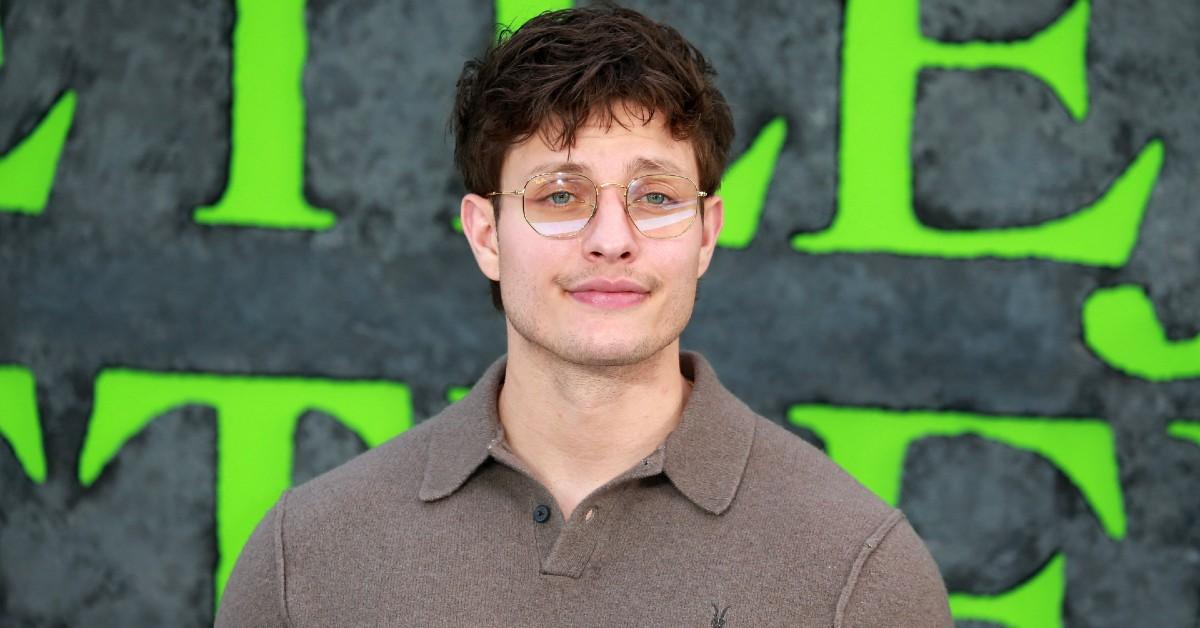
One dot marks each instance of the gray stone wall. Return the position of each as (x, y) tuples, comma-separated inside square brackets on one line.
[(115, 272)]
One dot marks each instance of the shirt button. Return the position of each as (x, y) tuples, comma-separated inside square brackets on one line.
[(541, 513)]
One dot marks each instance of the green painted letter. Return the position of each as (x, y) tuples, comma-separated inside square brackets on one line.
[(883, 51), (266, 149), (1120, 326), (1035, 604), (19, 420), (27, 171), (511, 14), (745, 186), (256, 419), (1186, 430), (871, 445)]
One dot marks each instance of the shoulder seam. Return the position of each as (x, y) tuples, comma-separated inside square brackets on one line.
[(280, 563), (870, 544)]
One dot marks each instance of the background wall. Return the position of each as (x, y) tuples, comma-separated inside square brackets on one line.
[(962, 257)]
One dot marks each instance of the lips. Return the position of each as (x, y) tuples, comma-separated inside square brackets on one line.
[(609, 293)]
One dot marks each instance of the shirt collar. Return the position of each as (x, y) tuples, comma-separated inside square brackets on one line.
[(704, 457)]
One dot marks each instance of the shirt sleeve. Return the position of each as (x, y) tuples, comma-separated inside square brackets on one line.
[(894, 582), (254, 594)]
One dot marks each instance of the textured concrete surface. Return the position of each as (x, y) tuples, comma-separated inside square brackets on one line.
[(116, 273)]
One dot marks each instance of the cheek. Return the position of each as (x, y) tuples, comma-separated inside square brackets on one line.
[(685, 263), (529, 262), (512, 247)]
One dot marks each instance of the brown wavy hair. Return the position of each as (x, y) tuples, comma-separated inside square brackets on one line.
[(564, 69)]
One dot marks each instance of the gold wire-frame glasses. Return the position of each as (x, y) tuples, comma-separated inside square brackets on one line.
[(561, 204)]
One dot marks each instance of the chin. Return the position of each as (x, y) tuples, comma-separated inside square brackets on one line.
[(610, 356), (610, 351), (599, 341)]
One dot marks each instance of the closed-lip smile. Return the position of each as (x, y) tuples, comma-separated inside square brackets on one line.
[(609, 294)]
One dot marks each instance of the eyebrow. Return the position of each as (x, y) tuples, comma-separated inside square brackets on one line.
[(634, 167), (642, 165), (557, 166)]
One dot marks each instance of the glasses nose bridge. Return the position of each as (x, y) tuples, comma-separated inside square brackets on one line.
[(624, 192)]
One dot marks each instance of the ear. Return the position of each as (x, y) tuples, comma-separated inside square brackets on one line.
[(710, 228), (479, 226)]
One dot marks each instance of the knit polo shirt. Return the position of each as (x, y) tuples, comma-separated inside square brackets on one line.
[(733, 521)]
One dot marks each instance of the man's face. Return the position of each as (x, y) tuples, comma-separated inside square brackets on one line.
[(610, 295)]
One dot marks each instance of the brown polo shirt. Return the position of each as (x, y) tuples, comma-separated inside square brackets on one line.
[(732, 522)]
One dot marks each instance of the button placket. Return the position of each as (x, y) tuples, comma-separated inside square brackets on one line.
[(583, 534), (546, 532), (566, 547)]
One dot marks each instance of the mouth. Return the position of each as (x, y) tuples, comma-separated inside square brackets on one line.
[(609, 294)]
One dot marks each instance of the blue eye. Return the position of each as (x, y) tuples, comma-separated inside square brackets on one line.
[(655, 198), (561, 197)]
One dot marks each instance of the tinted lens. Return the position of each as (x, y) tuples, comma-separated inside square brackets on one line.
[(559, 205), (663, 206)]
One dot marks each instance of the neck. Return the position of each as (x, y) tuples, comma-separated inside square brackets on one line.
[(578, 426)]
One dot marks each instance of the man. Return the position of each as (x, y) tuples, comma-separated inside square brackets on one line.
[(595, 475)]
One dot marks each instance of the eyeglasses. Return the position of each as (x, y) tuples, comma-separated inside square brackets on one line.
[(561, 204)]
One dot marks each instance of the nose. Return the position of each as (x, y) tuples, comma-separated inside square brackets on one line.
[(610, 236)]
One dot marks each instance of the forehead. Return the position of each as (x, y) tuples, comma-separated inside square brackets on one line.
[(626, 147)]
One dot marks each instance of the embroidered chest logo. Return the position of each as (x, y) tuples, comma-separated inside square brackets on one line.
[(718, 618)]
